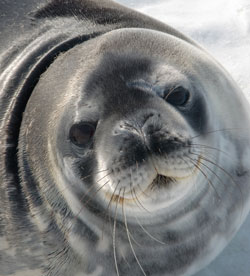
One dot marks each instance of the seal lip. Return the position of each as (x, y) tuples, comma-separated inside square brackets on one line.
[(139, 192)]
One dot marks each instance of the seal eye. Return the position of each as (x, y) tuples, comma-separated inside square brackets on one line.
[(81, 134), (179, 96)]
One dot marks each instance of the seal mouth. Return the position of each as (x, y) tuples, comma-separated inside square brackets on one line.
[(160, 182), (131, 195)]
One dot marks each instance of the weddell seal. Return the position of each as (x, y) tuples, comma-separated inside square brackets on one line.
[(124, 147)]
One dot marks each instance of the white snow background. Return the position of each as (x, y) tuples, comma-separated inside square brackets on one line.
[(223, 28)]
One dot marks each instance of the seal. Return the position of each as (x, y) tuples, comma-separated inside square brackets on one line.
[(120, 153)]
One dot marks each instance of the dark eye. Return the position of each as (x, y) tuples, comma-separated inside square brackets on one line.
[(81, 134), (179, 96)]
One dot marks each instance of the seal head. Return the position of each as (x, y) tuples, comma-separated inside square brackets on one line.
[(130, 154)]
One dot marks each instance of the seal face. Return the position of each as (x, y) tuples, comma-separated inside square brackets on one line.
[(128, 158)]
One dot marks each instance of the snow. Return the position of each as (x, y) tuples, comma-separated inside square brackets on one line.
[(220, 26), (223, 28)]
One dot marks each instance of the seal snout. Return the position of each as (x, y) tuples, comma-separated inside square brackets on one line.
[(155, 135), (147, 151)]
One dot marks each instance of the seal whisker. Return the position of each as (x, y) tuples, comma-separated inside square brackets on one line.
[(114, 235), (86, 203), (207, 167), (133, 197), (204, 151), (133, 191), (218, 166), (98, 190), (143, 192), (139, 201), (85, 177), (129, 240), (103, 177), (135, 241), (217, 130), (107, 211), (133, 238), (93, 187), (95, 173), (225, 172), (209, 148), (200, 162), (204, 174), (152, 237)]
